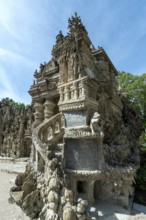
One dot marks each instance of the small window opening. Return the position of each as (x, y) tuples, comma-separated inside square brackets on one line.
[(81, 187)]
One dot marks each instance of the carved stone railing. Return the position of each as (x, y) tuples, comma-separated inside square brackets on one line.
[(47, 133)]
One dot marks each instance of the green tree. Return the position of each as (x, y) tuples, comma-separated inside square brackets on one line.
[(135, 88), (12, 104)]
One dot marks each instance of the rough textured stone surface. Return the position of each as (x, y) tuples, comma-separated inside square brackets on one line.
[(15, 130), (69, 214)]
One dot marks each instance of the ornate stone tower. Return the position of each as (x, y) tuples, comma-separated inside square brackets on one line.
[(78, 83)]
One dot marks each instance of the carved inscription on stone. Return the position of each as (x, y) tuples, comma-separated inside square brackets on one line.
[(75, 119), (81, 154)]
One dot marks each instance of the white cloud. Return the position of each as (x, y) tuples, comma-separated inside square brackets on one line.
[(15, 77), (9, 89), (10, 56), (6, 87), (7, 14)]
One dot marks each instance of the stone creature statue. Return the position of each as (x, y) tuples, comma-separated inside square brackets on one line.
[(96, 124)]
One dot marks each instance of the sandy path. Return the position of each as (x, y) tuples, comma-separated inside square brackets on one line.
[(8, 211)]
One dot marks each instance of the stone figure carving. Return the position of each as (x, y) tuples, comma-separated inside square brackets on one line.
[(50, 133), (63, 121), (59, 38), (96, 124), (34, 82), (57, 127)]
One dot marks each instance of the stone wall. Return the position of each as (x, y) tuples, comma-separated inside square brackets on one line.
[(15, 129)]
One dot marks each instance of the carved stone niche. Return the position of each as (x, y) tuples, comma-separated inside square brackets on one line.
[(49, 133), (57, 127)]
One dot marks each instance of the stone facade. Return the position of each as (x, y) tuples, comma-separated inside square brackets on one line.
[(15, 130), (85, 136)]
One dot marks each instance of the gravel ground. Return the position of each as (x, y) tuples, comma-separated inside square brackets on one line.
[(138, 217), (8, 211)]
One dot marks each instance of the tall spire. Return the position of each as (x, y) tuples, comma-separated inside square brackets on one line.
[(75, 24)]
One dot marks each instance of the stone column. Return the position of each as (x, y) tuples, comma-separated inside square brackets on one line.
[(90, 192), (67, 95), (76, 90), (83, 86), (100, 150), (49, 109), (36, 157), (39, 113), (33, 153), (61, 91)]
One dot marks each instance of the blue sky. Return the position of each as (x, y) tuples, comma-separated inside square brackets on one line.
[(28, 29)]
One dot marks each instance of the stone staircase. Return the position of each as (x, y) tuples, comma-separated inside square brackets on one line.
[(46, 135)]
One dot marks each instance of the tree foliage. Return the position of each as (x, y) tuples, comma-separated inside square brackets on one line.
[(135, 88), (12, 104)]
